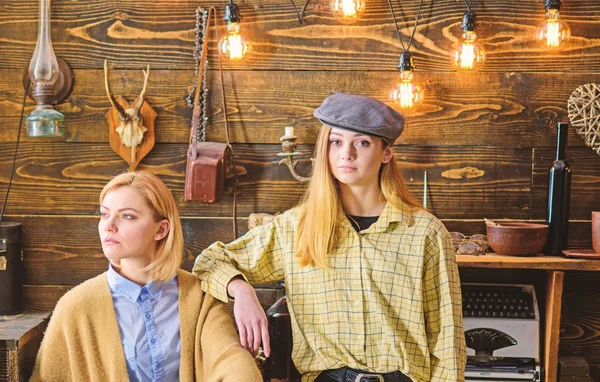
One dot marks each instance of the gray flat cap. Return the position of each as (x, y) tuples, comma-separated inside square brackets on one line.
[(361, 113)]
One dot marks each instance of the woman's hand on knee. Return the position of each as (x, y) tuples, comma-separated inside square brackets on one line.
[(249, 317)]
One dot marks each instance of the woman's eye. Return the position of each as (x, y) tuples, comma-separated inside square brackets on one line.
[(128, 216), (334, 142), (103, 214), (363, 143)]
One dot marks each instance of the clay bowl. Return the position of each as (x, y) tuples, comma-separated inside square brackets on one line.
[(517, 239)]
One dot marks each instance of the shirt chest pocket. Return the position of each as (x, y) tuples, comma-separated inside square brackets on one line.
[(131, 361)]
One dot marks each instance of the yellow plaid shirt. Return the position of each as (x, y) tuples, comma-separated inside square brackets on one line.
[(391, 300)]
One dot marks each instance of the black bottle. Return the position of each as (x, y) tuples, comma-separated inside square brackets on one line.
[(559, 193)]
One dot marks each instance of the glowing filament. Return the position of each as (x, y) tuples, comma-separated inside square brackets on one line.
[(552, 37), (235, 47), (468, 56), (348, 8)]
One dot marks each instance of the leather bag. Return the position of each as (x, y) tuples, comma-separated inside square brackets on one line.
[(207, 162)]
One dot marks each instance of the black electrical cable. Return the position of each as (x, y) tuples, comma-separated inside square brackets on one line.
[(414, 28), (297, 13), (469, 4), (303, 10), (12, 173)]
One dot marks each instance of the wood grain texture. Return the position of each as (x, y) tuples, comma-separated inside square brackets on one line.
[(17, 329), (505, 109), (43, 298), (580, 327), (55, 178), (76, 254), (580, 235), (585, 181), (160, 33), (499, 121), (553, 308)]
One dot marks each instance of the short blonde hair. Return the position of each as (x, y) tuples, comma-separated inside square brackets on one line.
[(169, 251)]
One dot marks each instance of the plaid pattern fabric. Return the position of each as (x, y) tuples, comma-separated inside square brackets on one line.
[(391, 300)]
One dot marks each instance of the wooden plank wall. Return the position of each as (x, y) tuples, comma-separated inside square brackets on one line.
[(500, 121)]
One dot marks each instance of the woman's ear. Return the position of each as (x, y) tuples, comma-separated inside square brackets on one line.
[(388, 154), (163, 230)]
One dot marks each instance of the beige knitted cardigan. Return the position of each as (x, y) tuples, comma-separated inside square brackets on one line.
[(82, 342)]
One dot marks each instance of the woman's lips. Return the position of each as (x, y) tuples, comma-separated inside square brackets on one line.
[(347, 168)]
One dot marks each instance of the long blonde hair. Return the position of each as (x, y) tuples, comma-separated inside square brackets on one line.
[(319, 208), (169, 250)]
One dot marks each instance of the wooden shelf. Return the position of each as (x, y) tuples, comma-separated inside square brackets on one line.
[(554, 263)]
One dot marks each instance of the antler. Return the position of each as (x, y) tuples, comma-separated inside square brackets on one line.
[(140, 99), (111, 97)]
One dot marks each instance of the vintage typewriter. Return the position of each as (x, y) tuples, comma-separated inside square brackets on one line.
[(502, 329)]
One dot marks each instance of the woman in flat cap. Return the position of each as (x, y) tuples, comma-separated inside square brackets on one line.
[(371, 279)]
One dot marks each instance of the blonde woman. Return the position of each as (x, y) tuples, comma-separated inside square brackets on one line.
[(145, 319), (371, 279)]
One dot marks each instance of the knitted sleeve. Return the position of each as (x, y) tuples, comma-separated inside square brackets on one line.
[(53, 362), (224, 359)]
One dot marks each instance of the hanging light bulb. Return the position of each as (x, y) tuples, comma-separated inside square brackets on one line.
[(469, 54), (347, 11), (553, 32), (233, 45), (406, 94)]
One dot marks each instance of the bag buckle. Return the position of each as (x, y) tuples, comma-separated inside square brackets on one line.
[(361, 375)]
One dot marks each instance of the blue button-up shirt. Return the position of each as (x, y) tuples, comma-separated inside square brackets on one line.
[(148, 319)]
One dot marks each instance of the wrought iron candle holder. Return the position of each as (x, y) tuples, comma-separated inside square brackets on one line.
[(288, 143)]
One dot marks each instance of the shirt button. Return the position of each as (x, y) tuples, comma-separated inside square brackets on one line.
[(148, 315), (153, 341), (356, 267), (356, 302)]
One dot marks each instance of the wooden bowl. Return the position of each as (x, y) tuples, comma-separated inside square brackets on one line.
[(516, 239)]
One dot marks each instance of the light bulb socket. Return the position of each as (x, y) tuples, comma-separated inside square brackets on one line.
[(469, 22), (232, 13), (406, 62), (552, 4)]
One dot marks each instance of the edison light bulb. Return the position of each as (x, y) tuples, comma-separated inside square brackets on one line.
[(347, 11), (553, 32), (234, 45), (407, 94), (469, 55)]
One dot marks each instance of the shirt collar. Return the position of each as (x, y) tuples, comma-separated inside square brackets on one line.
[(390, 214), (130, 290)]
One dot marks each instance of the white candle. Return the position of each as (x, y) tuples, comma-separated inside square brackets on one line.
[(289, 131)]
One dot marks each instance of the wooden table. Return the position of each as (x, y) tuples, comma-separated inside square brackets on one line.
[(555, 267), (20, 338)]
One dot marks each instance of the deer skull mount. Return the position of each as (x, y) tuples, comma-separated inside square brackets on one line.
[(131, 131)]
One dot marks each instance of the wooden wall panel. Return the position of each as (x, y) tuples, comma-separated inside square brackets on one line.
[(76, 255), (486, 138), (499, 109), (585, 167), (580, 235), (464, 182), (580, 327), (134, 33), (45, 297)]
